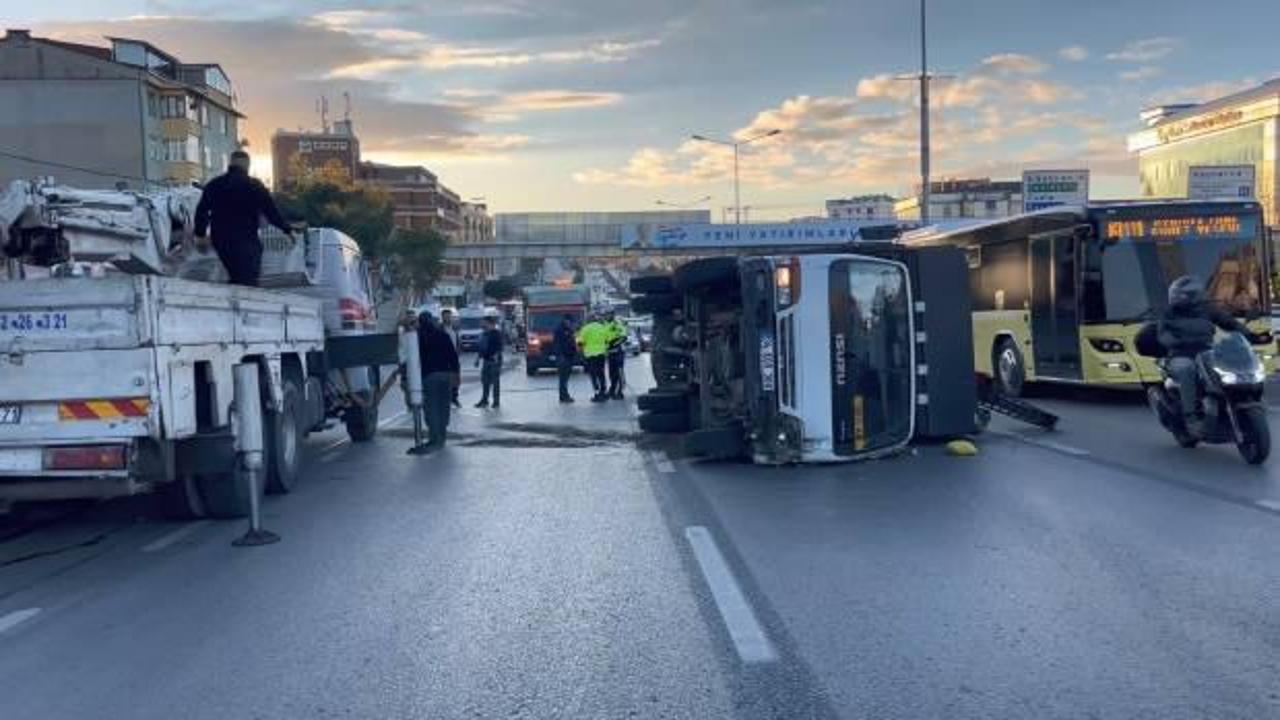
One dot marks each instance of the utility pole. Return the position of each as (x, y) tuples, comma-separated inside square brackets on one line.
[(924, 117), (924, 78)]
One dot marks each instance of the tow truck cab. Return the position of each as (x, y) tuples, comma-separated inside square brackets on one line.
[(814, 357)]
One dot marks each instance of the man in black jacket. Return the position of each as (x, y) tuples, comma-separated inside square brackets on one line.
[(440, 374), (233, 204), (1186, 329), (565, 346), (489, 358)]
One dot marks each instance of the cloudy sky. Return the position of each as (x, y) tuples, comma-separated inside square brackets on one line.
[(589, 104)]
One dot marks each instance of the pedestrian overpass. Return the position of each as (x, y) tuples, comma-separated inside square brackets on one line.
[(676, 240)]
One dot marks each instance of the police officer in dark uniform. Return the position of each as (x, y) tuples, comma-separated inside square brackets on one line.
[(232, 204)]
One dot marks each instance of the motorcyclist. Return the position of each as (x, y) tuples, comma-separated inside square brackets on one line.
[(1186, 328)]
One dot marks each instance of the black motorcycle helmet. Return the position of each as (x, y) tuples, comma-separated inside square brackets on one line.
[(1186, 291)]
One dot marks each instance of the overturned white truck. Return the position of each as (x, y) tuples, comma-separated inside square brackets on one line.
[(116, 350), (816, 355)]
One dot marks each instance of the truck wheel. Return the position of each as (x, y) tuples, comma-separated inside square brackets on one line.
[(530, 370), (663, 401), (664, 423), (362, 419), (181, 499), (1010, 370), (283, 442), (225, 495), (656, 304), (706, 272), (726, 442), (652, 285)]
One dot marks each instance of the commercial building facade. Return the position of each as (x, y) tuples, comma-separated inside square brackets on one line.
[(1239, 129), (127, 114), (971, 198), (861, 207), (477, 229), (332, 151)]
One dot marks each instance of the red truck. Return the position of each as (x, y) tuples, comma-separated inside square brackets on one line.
[(545, 306)]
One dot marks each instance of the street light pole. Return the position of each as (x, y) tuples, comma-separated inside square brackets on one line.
[(737, 188)]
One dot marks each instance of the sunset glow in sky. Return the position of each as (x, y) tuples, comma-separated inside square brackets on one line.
[(589, 104)]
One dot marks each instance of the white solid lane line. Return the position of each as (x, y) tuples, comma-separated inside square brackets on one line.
[(748, 636), (165, 541), (17, 617), (1046, 444)]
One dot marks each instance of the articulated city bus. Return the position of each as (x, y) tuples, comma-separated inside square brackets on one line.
[(1058, 294)]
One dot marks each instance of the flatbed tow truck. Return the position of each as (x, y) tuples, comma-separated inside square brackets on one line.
[(116, 363)]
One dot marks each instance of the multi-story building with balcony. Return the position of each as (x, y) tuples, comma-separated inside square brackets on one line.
[(128, 114)]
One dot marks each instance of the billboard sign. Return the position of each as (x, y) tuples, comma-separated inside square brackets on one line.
[(1051, 188), (1221, 182), (710, 236)]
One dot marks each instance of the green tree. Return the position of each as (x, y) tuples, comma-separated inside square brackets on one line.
[(361, 211), (415, 259), (503, 288)]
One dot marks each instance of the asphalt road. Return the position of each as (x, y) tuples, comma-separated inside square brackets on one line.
[(551, 563)]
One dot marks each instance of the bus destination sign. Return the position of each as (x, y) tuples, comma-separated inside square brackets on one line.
[(1174, 227)]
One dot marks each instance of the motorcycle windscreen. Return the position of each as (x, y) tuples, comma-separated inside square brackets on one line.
[(871, 360), (1233, 354)]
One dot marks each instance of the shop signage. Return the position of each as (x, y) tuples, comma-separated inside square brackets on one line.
[(1221, 182), (1051, 188)]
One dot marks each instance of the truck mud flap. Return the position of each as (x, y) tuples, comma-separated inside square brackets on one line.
[(361, 351), (206, 454)]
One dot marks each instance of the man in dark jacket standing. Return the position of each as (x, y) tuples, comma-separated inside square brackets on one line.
[(233, 204), (440, 374), (565, 346), (489, 358)]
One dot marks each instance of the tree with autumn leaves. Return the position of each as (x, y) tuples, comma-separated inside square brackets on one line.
[(328, 197)]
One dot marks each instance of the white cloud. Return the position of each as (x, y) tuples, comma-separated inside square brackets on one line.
[(506, 107), (1014, 63), (1146, 50), (1141, 73), (422, 53), (994, 114), (1074, 53)]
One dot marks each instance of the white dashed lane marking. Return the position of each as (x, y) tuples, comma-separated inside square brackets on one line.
[(171, 538), (748, 636), (16, 618)]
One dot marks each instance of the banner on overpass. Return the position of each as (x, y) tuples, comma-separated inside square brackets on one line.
[(702, 236)]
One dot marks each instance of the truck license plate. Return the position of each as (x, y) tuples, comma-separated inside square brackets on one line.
[(10, 414), (768, 367)]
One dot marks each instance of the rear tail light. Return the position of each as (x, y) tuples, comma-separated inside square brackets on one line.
[(352, 310), (786, 282), (85, 457), (533, 341)]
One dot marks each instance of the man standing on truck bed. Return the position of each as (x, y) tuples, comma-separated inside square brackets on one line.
[(440, 375), (233, 204)]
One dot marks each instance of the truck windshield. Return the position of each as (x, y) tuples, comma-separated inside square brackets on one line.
[(871, 356), (469, 323)]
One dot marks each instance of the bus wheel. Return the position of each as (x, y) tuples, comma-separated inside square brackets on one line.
[(1010, 370)]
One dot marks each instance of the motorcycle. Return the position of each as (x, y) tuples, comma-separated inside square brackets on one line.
[(1229, 388)]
